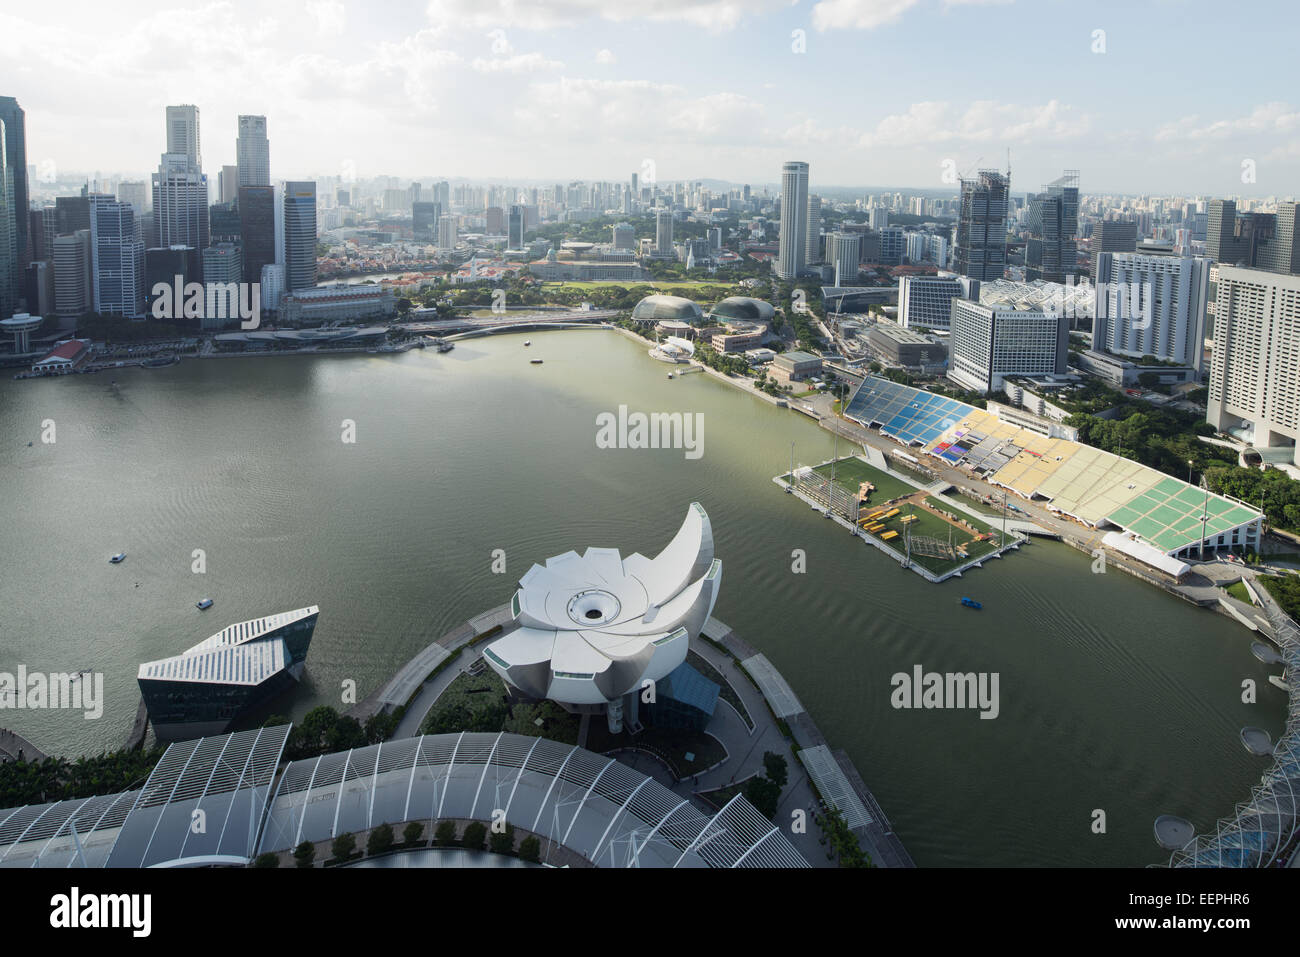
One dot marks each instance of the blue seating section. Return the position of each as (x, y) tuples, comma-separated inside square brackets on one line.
[(909, 415)]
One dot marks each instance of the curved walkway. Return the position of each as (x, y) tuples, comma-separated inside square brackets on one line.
[(1261, 829)]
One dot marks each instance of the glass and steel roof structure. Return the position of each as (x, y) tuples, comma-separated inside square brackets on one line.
[(209, 802), (588, 803), (202, 804)]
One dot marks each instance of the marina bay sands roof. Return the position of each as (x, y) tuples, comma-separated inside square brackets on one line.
[(591, 627), (588, 804)]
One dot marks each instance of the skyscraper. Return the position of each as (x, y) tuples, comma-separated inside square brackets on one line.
[(446, 232), (14, 145), (1053, 221), (1281, 253), (180, 190), (299, 235), (1254, 381), (227, 184), (664, 232), (257, 229), (253, 152), (116, 258), (8, 235), (1152, 305), (183, 133), (842, 252), (1112, 236), (1244, 239), (424, 220), (516, 227), (72, 282), (813, 247), (982, 226), (793, 242)]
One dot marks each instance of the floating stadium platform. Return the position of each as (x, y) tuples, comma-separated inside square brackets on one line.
[(1098, 488)]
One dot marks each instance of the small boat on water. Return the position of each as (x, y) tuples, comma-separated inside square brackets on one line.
[(670, 375), (528, 342), (535, 362), (971, 603), (118, 558), (203, 605)]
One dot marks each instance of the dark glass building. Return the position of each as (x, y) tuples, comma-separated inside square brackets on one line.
[(257, 226)]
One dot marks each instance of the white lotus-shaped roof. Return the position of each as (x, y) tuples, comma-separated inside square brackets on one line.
[(592, 627)]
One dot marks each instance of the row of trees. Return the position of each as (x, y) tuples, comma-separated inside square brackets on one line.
[(381, 840), (58, 779), (323, 731)]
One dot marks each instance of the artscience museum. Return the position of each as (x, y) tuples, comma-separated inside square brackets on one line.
[(592, 630)]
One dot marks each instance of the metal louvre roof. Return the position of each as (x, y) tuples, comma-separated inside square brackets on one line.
[(589, 803), (245, 631), (202, 803), (243, 664), (833, 785)]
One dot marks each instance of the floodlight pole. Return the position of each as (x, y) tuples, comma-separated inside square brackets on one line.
[(1205, 516)]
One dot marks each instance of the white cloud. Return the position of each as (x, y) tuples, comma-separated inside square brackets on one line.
[(1268, 118), (709, 14), (606, 57), (524, 63), (869, 14), (330, 16), (932, 123)]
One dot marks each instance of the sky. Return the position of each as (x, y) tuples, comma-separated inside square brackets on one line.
[(1141, 96)]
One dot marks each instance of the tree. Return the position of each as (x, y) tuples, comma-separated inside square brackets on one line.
[(380, 840), (530, 849), (445, 834), (503, 842), (774, 765), (304, 855), (763, 794), (473, 837), (267, 860), (412, 833), (343, 847), (1149, 379)]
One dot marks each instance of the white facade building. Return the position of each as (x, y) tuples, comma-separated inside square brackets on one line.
[(793, 242), (253, 152), (989, 343), (1255, 367), (1151, 305)]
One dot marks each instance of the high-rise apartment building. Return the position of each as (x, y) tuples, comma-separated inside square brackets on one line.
[(253, 152), (792, 244), (424, 220), (299, 235), (981, 251), (1152, 306), (1254, 381)]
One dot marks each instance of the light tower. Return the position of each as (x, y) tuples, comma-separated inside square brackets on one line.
[(22, 325)]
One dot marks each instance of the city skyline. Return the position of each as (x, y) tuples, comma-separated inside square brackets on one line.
[(458, 87)]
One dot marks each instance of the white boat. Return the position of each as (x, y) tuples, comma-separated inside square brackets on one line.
[(528, 342), (670, 375), (203, 605), (118, 558)]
